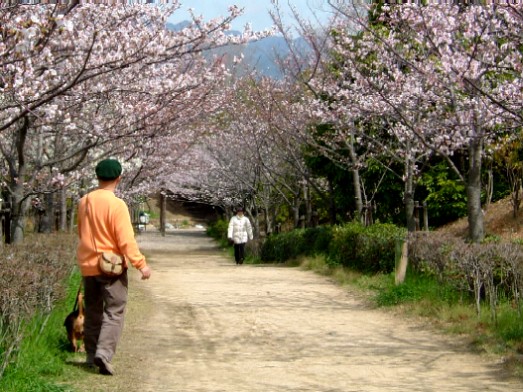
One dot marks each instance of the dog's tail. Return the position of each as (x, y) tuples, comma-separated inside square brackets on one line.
[(78, 308), (78, 295), (80, 301)]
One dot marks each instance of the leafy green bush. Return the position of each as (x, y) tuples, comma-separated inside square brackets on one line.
[(286, 246), (282, 247), (446, 194), (367, 249), (317, 240), (218, 230), (344, 243)]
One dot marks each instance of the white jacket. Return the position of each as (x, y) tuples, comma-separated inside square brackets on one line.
[(239, 229)]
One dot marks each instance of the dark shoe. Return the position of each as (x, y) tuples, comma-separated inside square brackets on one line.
[(105, 367), (89, 361)]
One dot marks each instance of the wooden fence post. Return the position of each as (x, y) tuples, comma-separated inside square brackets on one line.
[(401, 260), (425, 216), (416, 215), (163, 209), (2, 240)]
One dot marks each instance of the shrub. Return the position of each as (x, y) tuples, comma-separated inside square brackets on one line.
[(282, 247), (44, 350), (286, 246), (39, 268), (430, 252), (367, 249), (218, 230), (317, 240), (491, 270)]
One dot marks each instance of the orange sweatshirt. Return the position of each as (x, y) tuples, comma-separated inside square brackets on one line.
[(109, 225)]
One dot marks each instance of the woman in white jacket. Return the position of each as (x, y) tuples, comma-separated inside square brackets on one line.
[(240, 230)]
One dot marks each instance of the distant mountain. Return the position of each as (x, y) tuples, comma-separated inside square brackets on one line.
[(177, 26), (262, 55)]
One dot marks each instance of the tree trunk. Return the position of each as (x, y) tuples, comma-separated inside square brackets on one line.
[(425, 216), (18, 213), (358, 200), (308, 205), (2, 218), (229, 213), (268, 221), (48, 218), (516, 195), (255, 220), (332, 204), (475, 213), (63, 210), (356, 180), (250, 207), (296, 211), (17, 169), (409, 194), (72, 216), (489, 188)]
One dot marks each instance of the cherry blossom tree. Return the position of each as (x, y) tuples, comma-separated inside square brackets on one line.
[(420, 81), (252, 156), (82, 82), (448, 77), (362, 128), (471, 74), (315, 70)]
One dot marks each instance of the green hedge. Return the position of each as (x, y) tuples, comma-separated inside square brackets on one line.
[(218, 230), (286, 246), (282, 247), (367, 249), (317, 240)]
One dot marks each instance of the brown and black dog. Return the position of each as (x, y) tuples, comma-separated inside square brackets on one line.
[(74, 323)]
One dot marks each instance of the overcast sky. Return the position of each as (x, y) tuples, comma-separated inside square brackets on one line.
[(256, 12)]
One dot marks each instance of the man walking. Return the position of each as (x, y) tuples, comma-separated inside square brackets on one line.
[(239, 231), (104, 225)]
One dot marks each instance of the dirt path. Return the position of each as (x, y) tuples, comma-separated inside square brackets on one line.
[(204, 324)]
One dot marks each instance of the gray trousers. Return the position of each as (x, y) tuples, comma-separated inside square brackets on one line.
[(105, 301)]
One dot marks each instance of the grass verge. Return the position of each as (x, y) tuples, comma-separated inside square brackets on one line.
[(44, 351)]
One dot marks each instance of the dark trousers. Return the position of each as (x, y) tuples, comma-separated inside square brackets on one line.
[(239, 253), (105, 300)]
